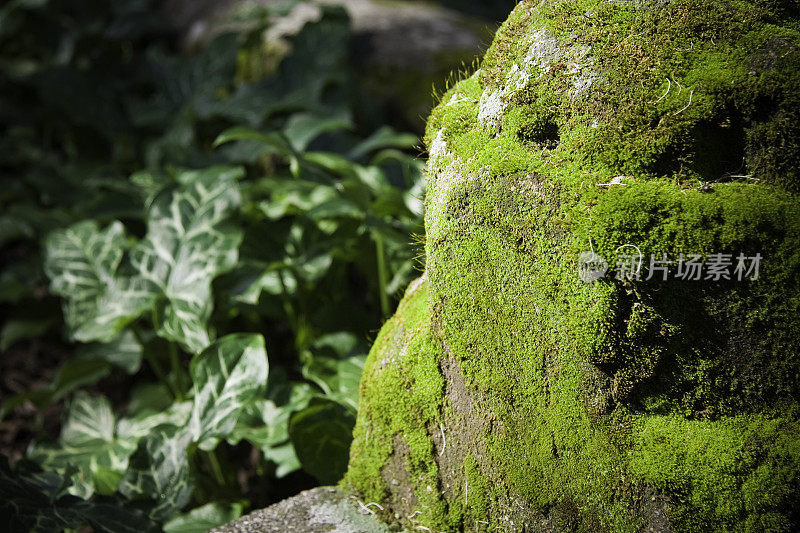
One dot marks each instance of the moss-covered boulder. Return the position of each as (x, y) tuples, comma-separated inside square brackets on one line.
[(507, 394)]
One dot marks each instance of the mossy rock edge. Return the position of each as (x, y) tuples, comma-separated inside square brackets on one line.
[(507, 394)]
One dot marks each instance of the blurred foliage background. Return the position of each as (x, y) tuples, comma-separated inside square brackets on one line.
[(197, 249)]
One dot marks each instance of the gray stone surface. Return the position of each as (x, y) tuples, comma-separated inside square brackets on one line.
[(319, 510)]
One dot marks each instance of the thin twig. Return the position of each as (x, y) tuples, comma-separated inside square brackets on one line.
[(444, 442), (617, 180), (681, 110), (669, 86), (366, 507)]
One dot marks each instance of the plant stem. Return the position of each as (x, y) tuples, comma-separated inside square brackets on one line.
[(175, 362), (382, 281), (177, 385), (288, 308), (213, 464), (152, 361)]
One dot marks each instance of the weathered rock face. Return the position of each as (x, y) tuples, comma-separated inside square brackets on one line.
[(319, 510), (506, 393)]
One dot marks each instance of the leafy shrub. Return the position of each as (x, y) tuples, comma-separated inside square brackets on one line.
[(177, 218)]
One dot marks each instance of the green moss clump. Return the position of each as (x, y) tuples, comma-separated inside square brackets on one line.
[(623, 404), (405, 390), (733, 474)]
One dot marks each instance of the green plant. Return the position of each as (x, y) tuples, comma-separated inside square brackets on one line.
[(197, 216)]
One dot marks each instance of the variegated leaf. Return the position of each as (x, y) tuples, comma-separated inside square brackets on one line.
[(81, 262), (338, 378), (227, 376), (124, 351), (188, 244), (141, 424), (159, 469), (88, 441), (89, 418), (33, 500)]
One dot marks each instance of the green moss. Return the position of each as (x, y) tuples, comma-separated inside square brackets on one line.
[(475, 488), (404, 387), (619, 402), (734, 475), (705, 371), (734, 67)]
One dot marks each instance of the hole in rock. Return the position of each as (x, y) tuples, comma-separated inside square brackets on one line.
[(543, 133)]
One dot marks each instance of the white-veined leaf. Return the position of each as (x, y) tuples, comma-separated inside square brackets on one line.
[(34, 500), (89, 418), (335, 362), (188, 244), (88, 442), (297, 197), (81, 262), (141, 424), (159, 469), (124, 351), (125, 300), (227, 376), (265, 423), (338, 378)]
